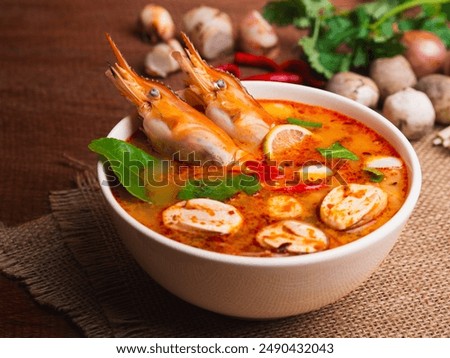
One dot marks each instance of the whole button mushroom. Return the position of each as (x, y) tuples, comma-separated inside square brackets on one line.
[(354, 86), (437, 88), (411, 111), (392, 75)]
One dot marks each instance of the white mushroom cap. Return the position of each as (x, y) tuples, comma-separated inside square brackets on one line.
[(437, 88), (392, 74), (354, 86), (411, 111)]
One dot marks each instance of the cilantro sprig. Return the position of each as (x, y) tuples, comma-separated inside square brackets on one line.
[(341, 40)]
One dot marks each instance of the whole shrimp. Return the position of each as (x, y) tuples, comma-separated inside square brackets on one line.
[(226, 101), (174, 128)]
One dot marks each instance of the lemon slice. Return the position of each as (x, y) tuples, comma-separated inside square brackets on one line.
[(283, 137)]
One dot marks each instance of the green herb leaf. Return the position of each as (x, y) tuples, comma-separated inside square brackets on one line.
[(337, 151), (376, 176), (129, 164), (340, 40), (220, 189), (283, 13), (301, 122)]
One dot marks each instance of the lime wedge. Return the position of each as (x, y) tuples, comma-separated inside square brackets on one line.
[(283, 137)]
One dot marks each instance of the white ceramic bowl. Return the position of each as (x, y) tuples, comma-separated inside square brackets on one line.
[(263, 288)]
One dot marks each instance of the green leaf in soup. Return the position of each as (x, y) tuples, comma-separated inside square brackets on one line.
[(303, 123), (220, 189), (129, 163), (376, 176), (337, 151)]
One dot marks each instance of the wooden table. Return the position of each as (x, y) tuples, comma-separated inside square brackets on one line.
[(54, 99)]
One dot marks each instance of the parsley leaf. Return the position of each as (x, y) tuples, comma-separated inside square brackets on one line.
[(337, 151)]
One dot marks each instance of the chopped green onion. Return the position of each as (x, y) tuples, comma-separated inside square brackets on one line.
[(301, 122), (376, 176), (337, 151)]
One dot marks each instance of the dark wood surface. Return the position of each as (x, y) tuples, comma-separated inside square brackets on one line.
[(54, 99)]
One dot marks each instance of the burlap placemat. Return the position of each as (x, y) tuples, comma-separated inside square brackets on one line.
[(74, 261)]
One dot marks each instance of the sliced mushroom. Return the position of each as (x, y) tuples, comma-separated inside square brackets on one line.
[(294, 236), (380, 162), (156, 23), (411, 111), (349, 206), (283, 207), (257, 36), (159, 61), (356, 87), (210, 30), (207, 215)]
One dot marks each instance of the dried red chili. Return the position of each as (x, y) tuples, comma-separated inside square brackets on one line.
[(276, 77), (231, 68), (303, 69), (248, 59)]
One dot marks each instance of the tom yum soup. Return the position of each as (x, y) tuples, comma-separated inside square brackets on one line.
[(266, 178)]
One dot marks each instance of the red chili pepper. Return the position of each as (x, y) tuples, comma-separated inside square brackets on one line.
[(303, 69), (248, 59), (276, 77), (230, 67), (264, 172), (296, 66)]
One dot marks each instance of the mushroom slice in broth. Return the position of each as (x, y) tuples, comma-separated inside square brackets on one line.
[(297, 237), (205, 215), (349, 206), (381, 162)]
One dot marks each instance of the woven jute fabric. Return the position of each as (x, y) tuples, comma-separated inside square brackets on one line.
[(74, 261)]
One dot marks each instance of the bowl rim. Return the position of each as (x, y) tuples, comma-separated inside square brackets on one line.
[(394, 223)]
